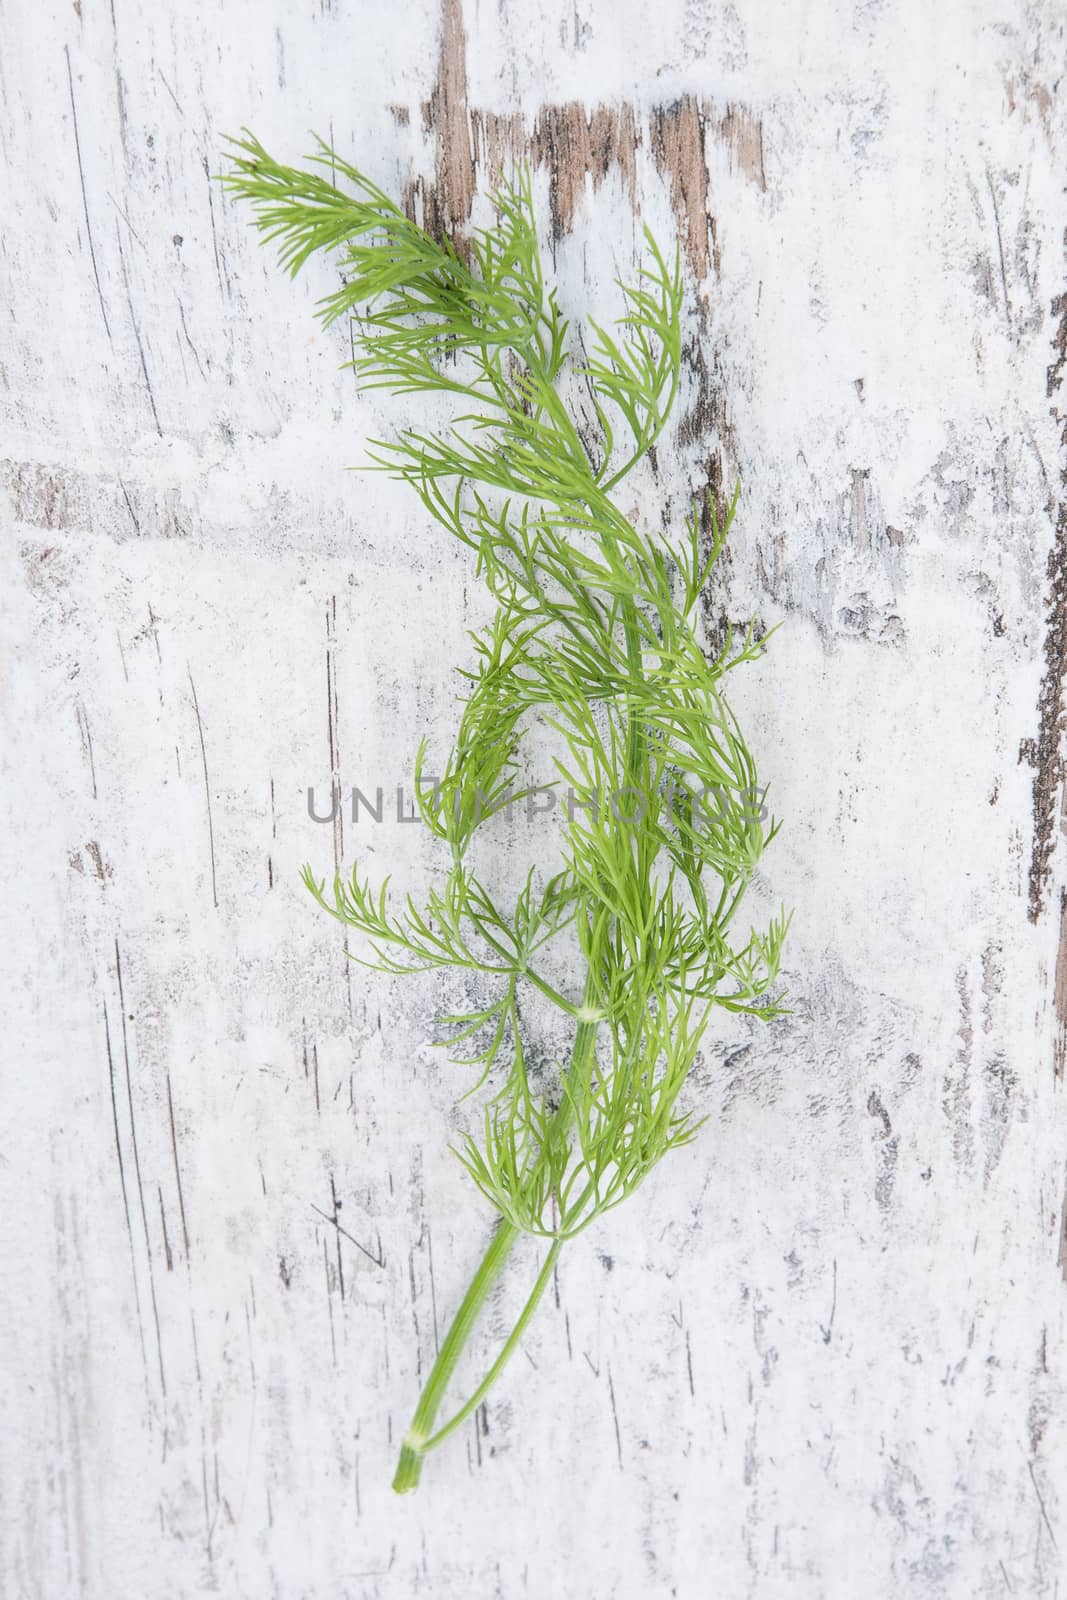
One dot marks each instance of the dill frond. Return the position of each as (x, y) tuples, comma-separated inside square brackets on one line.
[(594, 636)]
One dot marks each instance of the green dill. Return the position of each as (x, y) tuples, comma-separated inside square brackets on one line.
[(594, 635)]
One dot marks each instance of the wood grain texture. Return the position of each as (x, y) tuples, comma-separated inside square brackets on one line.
[(822, 1354)]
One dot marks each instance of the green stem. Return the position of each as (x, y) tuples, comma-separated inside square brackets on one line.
[(420, 1437), (471, 1405), (417, 1439)]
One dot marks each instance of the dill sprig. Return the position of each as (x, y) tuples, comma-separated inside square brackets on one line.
[(593, 636)]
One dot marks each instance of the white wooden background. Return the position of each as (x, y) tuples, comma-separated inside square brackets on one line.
[(822, 1354)]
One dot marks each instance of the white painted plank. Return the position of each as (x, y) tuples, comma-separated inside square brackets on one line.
[(822, 1353)]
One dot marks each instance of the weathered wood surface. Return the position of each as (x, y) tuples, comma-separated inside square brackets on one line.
[(823, 1353)]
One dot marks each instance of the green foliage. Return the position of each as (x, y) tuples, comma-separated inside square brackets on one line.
[(593, 634)]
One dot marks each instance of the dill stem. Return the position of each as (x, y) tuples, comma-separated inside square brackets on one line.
[(420, 1438), (416, 1440)]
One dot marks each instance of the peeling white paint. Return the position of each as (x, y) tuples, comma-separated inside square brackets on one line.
[(822, 1354)]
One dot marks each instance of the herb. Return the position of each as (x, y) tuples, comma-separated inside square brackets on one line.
[(594, 635)]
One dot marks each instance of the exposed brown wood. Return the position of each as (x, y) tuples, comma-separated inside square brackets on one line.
[(574, 143), (678, 132), (447, 202)]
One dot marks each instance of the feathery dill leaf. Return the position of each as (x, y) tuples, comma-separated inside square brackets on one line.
[(593, 635)]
